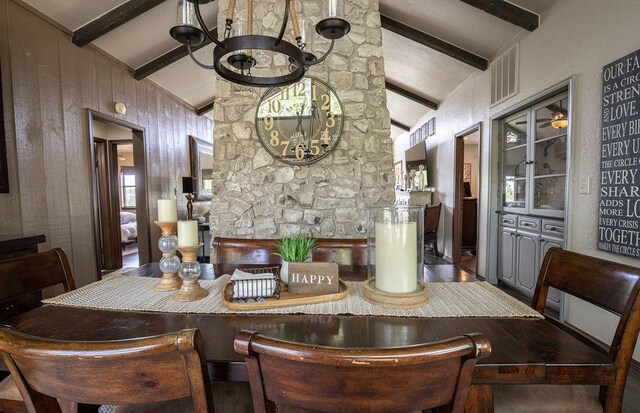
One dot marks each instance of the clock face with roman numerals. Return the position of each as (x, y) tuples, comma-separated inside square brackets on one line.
[(301, 123)]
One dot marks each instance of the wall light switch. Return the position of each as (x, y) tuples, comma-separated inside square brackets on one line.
[(585, 183)]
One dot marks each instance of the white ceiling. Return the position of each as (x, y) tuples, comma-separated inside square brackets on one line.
[(410, 65)]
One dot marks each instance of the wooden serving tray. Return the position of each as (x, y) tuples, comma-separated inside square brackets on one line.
[(287, 299)]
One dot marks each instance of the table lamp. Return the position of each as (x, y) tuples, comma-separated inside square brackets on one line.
[(189, 185)]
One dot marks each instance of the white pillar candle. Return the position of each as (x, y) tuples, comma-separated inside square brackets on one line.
[(396, 257), (187, 233), (167, 210)]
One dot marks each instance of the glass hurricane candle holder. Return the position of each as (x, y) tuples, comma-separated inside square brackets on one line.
[(396, 254), (189, 271), (169, 263)]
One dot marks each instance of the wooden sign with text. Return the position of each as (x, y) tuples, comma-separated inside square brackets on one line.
[(619, 208), (313, 277)]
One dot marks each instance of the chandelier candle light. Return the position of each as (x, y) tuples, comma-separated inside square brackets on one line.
[(395, 251), (189, 270), (234, 57), (169, 263)]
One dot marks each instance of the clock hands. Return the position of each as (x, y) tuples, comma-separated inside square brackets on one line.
[(301, 131), (299, 128)]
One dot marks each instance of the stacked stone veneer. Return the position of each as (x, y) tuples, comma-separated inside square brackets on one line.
[(256, 196)]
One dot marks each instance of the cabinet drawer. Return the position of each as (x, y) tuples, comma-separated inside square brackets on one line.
[(551, 227), (508, 221), (529, 224)]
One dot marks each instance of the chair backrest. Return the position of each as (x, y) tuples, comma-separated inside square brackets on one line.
[(231, 253), (399, 379), (23, 278), (432, 218), (609, 285), (144, 370)]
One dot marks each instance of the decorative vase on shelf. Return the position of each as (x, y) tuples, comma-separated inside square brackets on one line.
[(422, 178)]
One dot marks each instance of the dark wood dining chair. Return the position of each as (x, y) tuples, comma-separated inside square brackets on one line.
[(326, 379), (165, 373), (231, 253), (431, 223), (609, 285), (22, 280)]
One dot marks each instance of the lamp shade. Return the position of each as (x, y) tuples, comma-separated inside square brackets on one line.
[(188, 185)]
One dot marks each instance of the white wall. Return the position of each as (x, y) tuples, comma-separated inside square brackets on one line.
[(575, 38)]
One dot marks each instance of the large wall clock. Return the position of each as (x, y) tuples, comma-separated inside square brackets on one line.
[(301, 123)]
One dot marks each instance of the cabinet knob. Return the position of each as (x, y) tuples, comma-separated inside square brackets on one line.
[(9, 307)]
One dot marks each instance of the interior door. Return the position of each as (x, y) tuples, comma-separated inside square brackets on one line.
[(109, 226)]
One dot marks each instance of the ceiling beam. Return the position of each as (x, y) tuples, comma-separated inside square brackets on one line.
[(204, 109), (400, 125), (169, 57), (434, 43), (507, 12), (410, 95), (109, 21)]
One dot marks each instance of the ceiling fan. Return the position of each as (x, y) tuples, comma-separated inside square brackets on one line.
[(558, 119)]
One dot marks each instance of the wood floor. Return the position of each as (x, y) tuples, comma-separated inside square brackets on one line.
[(435, 269)]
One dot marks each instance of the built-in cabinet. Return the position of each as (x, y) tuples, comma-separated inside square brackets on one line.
[(533, 166), (523, 242)]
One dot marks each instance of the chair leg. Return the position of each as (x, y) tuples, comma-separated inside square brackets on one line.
[(435, 248)]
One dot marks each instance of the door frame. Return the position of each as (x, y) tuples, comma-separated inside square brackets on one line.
[(458, 195), (142, 191)]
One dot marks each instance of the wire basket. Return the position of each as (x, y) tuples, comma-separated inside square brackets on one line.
[(256, 289)]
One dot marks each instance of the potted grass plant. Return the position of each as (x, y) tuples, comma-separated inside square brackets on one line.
[(293, 248)]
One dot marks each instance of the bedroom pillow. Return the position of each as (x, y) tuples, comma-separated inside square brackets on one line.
[(127, 217)]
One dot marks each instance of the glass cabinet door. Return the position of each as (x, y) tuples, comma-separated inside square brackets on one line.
[(514, 138), (549, 156), (533, 158)]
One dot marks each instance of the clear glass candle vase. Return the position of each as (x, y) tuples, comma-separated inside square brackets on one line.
[(396, 249), (169, 263), (189, 271), (168, 243)]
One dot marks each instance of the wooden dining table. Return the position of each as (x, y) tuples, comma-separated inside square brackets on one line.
[(524, 351)]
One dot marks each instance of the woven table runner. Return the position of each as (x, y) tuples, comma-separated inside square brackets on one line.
[(446, 299)]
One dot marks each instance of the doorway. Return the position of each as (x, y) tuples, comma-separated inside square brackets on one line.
[(467, 188), (121, 225), (125, 184)]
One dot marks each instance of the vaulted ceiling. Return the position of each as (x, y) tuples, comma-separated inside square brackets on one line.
[(430, 46)]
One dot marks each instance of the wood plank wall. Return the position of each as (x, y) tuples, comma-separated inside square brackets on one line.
[(48, 86)]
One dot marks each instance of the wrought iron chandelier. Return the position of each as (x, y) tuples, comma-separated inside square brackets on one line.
[(238, 53)]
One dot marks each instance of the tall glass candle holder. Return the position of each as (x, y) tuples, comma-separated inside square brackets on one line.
[(169, 263), (396, 255), (189, 271)]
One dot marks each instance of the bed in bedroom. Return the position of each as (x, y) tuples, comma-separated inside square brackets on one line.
[(128, 228)]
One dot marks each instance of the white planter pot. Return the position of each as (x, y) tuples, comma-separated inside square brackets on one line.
[(284, 272)]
